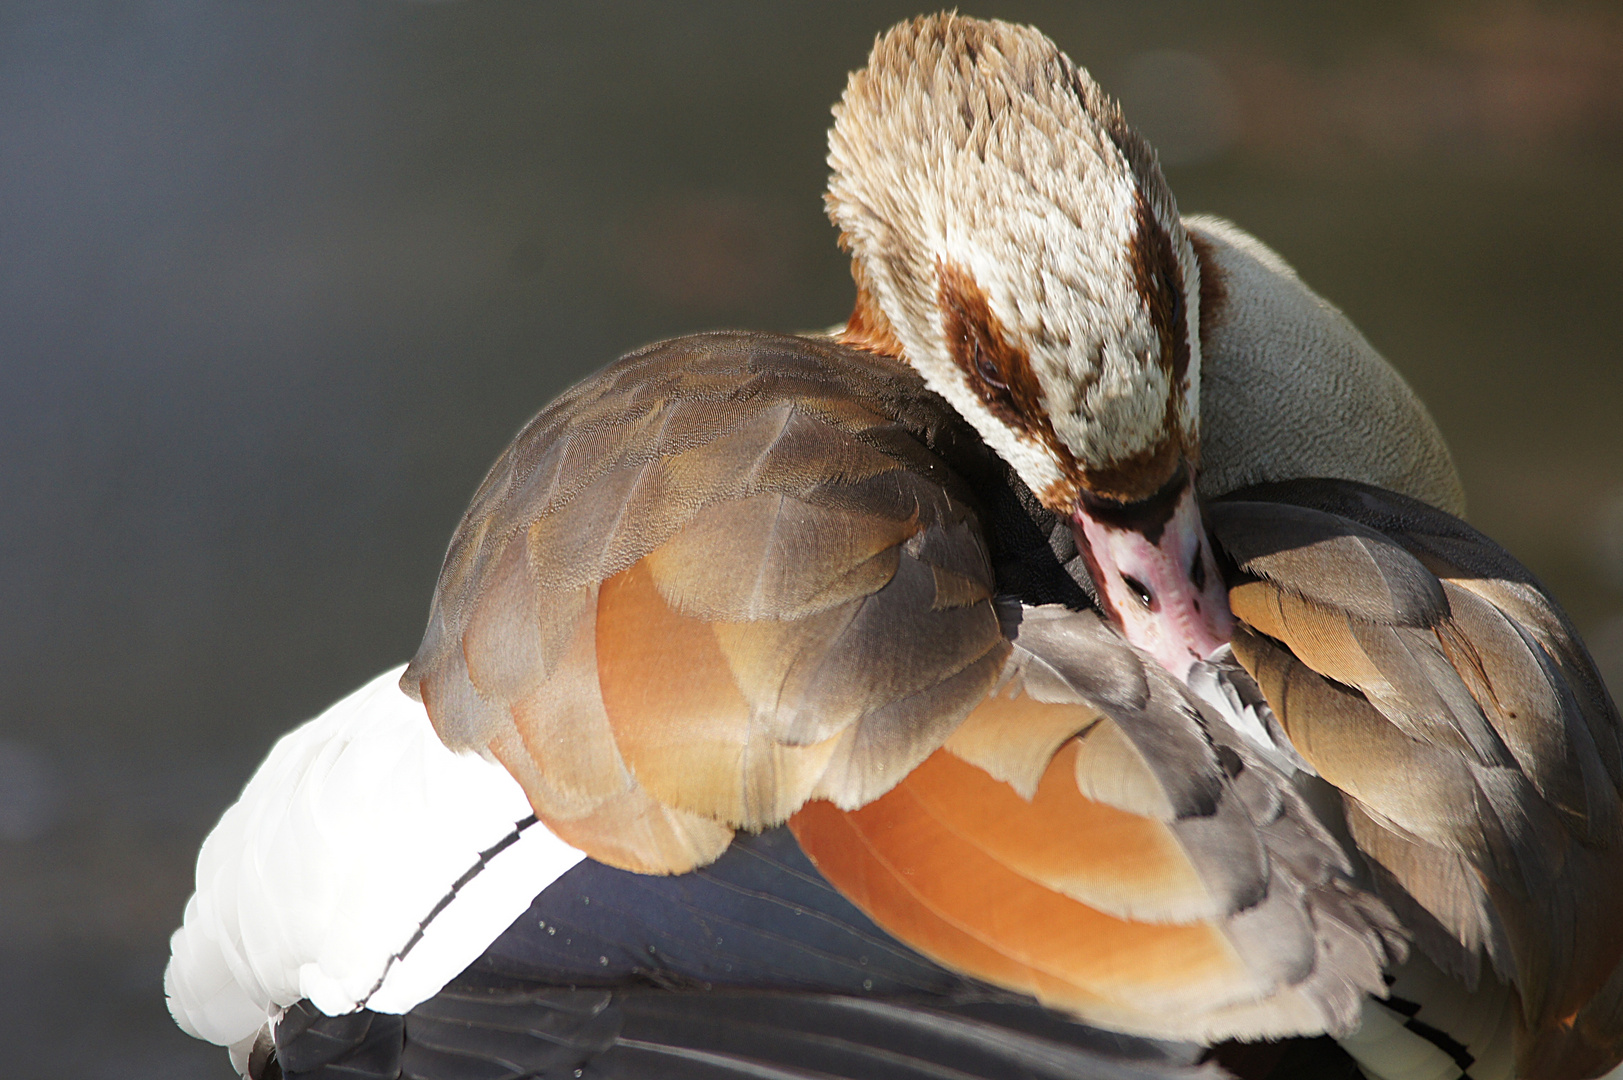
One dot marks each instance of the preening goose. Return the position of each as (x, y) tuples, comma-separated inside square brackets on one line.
[(1073, 665)]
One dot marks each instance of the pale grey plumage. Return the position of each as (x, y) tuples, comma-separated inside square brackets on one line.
[(1290, 388)]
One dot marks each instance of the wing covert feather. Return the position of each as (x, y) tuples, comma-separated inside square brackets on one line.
[(727, 573), (1330, 558), (1477, 750), (1022, 853)]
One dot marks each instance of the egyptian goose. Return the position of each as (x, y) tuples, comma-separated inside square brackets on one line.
[(1073, 665)]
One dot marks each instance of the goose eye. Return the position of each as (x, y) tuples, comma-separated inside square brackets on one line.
[(1140, 590), (988, 371)]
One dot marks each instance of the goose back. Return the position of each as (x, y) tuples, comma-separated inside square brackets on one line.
[(1290, 388)]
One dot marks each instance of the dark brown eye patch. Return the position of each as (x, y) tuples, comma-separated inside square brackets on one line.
[(1158, 278), (994, 369), (994, 366)]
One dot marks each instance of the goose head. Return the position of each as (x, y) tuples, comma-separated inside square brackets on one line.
[(1014, 241)]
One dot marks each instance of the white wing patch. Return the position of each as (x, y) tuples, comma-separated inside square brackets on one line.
[(1222, 683), (364, 865)]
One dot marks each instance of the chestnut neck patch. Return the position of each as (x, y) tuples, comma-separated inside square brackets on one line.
[(867, 328)]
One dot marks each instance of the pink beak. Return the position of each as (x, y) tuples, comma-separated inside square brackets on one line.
[(1156, 576)]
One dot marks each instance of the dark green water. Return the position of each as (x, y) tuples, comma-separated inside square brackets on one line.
[(277, 281)]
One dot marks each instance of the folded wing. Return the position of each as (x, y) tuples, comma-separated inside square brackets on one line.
[(1428, 676), (738, 578), (1089, 837), (727, 575)]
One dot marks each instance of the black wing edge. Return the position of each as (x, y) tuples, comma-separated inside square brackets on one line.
[(753, 967), (479, 1029)]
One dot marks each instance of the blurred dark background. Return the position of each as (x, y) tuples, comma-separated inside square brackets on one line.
[(278, 281)]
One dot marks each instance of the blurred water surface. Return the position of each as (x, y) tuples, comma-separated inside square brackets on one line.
[(278, 281)]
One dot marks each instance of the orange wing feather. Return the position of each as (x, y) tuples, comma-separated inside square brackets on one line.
[(723, 575), (957, 865), (1129, 866)]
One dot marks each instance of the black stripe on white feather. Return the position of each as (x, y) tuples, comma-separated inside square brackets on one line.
[(479, 865), (633, 985), (1439, 1038)]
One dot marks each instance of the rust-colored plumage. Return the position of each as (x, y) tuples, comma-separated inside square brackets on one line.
[(727, 574), (996, 885), (740, 579), (1149, 878)]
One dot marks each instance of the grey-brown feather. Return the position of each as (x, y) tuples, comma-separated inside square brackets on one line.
[(783, 490), (1329, 559), (1281, 885), (1477, 765)]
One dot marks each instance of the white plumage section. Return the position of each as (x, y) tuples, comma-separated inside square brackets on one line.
[(1397, 1040), (316, 881)]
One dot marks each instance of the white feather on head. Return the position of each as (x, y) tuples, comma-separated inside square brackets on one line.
[(1000, 212)]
